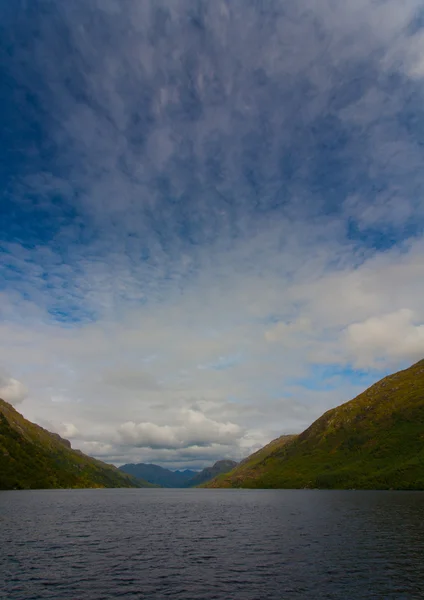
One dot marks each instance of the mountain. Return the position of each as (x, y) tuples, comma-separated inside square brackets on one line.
[(219, 468), (33, 458), (375, 441), (177, 479), (159, 475)]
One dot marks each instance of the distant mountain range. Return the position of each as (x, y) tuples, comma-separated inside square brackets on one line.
[(33, 458), (159, 475), (177, 479), (375, 441)]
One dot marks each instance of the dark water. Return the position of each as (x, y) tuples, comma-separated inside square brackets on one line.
[(192, 544)]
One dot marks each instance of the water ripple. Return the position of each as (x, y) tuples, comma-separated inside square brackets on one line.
[(211, 544)]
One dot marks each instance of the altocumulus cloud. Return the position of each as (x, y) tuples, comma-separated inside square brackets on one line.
[(213, 216)]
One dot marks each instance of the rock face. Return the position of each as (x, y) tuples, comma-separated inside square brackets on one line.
[(33, 458), (219, 468), (375, 441)]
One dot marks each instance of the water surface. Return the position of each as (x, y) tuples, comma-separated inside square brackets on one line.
[(211, 544)]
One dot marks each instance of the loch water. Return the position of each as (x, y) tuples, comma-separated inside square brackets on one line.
[(211, 544)]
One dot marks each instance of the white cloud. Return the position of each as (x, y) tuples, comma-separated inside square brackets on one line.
[(67, 431), (12, 390), (388, 338), (195, 429)]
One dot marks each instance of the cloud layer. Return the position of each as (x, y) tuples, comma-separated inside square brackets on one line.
[(213, 216)]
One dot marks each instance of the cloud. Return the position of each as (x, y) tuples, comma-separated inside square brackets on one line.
[(125, 378), (392, 336), (67, 430), (12, 390), (207, 215), (282, 330), (195, 430)]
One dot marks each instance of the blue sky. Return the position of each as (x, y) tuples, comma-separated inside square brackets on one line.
[(211, 216)]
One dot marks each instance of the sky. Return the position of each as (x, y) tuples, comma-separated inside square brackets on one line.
[(211, 216)]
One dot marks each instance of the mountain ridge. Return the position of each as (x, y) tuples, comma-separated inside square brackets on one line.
[(374, 441)]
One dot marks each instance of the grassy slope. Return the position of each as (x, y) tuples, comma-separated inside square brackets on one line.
[(33, 458), (375, 441)]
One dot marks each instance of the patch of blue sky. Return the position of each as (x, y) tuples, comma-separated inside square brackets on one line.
[(72, 316), (329, 377), (380, 236)]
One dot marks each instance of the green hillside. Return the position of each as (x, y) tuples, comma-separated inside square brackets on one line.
[(33, 458), (375, 441)]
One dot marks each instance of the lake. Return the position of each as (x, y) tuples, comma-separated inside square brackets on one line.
[(211, 544)]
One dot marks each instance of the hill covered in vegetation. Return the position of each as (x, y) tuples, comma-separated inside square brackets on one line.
[(33, 458), (375, 441)]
